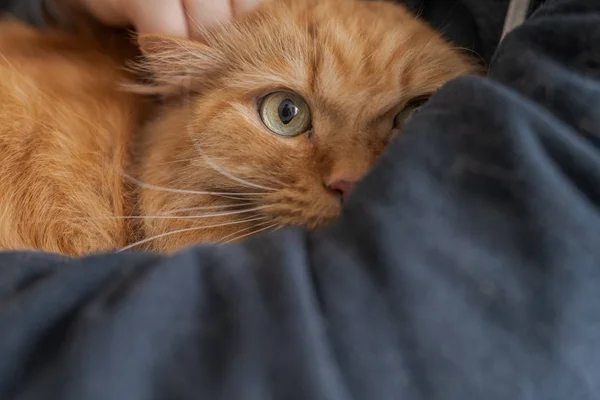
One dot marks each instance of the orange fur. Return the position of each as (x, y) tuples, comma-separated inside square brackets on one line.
[(70, 136)]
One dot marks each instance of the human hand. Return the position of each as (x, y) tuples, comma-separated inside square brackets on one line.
[(182, 18)]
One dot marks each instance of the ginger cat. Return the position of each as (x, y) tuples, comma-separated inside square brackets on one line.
[(270, 122)]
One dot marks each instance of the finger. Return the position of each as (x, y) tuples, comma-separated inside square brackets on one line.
[(243, 6), (110, 12), (166, 17), (205, 14)]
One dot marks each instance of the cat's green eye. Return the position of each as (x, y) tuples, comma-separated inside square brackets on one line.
[(285, 114), (408, 112)]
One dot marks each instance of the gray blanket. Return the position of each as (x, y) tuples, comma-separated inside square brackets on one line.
[(466, 267)]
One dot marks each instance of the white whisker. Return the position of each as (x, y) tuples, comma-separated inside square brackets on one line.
[(184, 160), (260, 224), (211, 162), (275, 181), (185, 191), (223, 207), (223, 214), (253, 233), (223, 172), (198, 228), (232, 197)]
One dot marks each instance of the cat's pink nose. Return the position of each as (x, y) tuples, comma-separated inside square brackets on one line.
[(342, 188)]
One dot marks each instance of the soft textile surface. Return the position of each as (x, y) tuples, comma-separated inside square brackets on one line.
[(466, 267)]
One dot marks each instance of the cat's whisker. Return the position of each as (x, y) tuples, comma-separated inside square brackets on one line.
[(231, 195), (254, 226), (218, 168), (221, 207), (186, 230), (169, 215), (276, 226), (225, 173), (234, 198), (215, 215), (211, 163), (276, 181)]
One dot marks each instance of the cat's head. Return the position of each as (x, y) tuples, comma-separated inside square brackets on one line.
[(282, 112)]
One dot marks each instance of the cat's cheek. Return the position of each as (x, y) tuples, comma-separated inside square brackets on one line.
[(310, 135)]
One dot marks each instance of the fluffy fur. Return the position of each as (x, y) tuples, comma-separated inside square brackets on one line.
[(87, 166)]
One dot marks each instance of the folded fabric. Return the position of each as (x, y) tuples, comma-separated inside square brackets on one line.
[(466, 267)]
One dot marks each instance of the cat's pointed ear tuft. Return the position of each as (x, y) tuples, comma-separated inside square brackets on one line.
[(175, 62), (151, 45)]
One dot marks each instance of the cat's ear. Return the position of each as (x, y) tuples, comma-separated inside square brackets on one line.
[(174, 62)]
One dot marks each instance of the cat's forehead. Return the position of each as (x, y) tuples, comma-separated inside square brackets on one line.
[(357, 33), (375, 51)]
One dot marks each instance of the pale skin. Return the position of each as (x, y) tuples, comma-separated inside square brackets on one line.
[(181, 18)]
